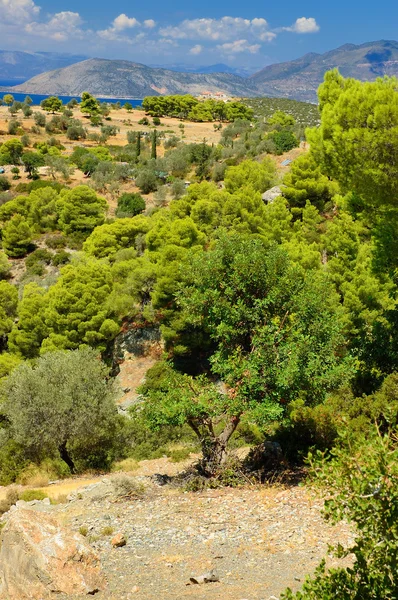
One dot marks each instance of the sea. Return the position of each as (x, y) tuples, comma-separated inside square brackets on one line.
[(7, 84)]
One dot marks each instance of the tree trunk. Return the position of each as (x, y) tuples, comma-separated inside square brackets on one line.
[(66, 457), (214, 448)]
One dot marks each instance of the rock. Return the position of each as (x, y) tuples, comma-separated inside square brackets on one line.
[(206, 578), (39, 558), (160, 479), (119, 540)]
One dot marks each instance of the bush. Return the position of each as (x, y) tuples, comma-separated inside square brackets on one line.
[(129, 205), (30, 495), (55, 242), (76, 133), (143, 121), (284, 141), (60, 258), (361, 480), (147, 181), (5, 185), (127, 487)]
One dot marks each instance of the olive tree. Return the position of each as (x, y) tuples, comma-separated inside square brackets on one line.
[(62, 403)]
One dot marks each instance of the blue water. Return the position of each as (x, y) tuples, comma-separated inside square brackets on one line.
[(37, 98)]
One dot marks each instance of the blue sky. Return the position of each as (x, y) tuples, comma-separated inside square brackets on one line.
[(251, 33)]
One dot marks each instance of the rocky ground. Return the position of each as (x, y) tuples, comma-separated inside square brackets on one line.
[(257, 540)]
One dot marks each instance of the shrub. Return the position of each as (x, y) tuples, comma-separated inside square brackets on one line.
[(361, 479), (126, 486), (55, 242), (4, 184), (76, 132), (61, 258), (30, 495), (129, 205)]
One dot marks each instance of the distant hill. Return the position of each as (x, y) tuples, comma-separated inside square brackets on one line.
[(299, 79), (124, 79), (218, 68), (24, 65)]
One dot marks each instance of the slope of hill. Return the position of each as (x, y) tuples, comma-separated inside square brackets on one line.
[(297, 79), (300, 78), (24, 65), (124, 79)]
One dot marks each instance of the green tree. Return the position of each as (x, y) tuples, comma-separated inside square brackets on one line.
[(260, 176), (51, 104), (147, 181), (154, 142), (129, 205), (26, 337), (8, 308), (32, 161), (89, 105), (76, 310), (80, 209), (14, 148), (282, 120), (17, 237), (274, 335), (354, 144), (8, 99), (63, 404), (306, 182), (128, 106)]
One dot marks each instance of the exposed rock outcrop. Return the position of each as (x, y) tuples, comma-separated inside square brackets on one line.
[(40, 559)]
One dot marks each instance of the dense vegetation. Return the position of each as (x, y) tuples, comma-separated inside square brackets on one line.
[(278, 316)]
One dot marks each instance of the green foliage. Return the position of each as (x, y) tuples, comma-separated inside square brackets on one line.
[(305, 182), (4, 184), (8, 307), (80, 210), (361, 478), (359, 120), (17, 237), (65, 395), (188, 107), (260, 176), (129, 205), (89, 104), (304, 114), (147, 181), (283, 140), (76, 310), (106, 240), (51, 104), (274, 338)]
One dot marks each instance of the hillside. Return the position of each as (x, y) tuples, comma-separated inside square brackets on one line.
[(23, 65), (299, 79), (131, 80)]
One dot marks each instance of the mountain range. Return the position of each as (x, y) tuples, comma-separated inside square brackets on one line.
[(23, 65), (296, 79)]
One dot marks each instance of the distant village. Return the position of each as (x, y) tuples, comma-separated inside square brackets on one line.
[(206, 95)]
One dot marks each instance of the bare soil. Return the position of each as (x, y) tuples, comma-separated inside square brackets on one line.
[(257, 539)]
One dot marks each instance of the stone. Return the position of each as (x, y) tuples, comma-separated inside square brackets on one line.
[(39, 558), (119, 540)]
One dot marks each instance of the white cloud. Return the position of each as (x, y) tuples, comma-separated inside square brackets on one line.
[(149, 23), (239, 46), (195, 50), (224, 29), (61, 27), (15, 12), (303, 25), (124, 22)]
